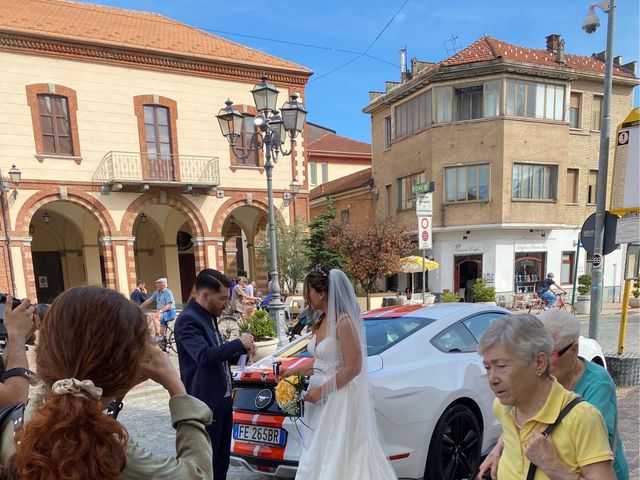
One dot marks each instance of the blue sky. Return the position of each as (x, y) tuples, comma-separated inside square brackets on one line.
[(340, 86)]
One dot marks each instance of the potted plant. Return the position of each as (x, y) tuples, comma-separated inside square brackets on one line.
[(483, 293), (583, 301), (449, 297), (634, 301), (263, 328)]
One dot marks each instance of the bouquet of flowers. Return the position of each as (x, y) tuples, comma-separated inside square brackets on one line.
[(289, 394)]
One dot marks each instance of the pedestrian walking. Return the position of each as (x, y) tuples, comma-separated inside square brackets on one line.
[(139, 295)]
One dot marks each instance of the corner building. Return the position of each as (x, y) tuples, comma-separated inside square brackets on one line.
[(510, 136), (110, 116)]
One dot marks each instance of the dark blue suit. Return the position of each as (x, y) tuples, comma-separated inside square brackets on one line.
[(204, 370)]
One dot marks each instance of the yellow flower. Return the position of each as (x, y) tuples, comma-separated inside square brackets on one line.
[(285, 392)]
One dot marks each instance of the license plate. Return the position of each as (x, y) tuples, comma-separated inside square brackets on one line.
[(256, 433)]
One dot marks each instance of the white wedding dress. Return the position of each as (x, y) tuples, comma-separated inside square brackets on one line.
[(339, 440)]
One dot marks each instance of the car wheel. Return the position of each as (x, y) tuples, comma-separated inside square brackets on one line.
[(455, 447)]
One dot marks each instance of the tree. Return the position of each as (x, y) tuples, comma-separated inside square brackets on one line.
[(291, 250), (372, 249), (319, 250)]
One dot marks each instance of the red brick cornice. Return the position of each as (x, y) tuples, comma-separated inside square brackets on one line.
[(144, 59)]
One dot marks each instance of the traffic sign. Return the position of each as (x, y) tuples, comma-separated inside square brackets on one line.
[(625, 194), (424, 204), (424, 233), (423, 187), (587, 233)]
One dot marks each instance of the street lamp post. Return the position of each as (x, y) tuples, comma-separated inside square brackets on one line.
[(270, 135), (589, 25), (14, 178)]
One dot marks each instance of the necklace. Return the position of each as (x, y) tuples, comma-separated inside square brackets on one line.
[(514, 413)]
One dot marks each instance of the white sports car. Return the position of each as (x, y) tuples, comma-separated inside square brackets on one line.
[(432, 398)]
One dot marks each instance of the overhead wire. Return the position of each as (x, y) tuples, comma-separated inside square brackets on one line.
[(316, 78)]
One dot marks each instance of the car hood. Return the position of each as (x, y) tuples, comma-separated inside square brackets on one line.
[(263, 370)]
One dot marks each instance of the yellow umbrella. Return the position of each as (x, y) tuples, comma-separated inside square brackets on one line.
[(414, 263)]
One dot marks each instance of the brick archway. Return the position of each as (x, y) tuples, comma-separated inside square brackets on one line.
[(77, 197), (189, 210), (235, 202), (106, 227), (194, 217)]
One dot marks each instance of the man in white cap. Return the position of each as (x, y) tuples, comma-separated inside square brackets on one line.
[(165, 308)]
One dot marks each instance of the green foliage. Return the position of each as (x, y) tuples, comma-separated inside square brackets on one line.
[(292, 252), (373, 248), (260, 325), (242, 273), (319, 251), (636, 289), (449, 297), (584, 284), (483, 292)]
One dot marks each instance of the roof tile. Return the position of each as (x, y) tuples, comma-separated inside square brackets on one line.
[(67, 20), (330, 142), (488, 48)]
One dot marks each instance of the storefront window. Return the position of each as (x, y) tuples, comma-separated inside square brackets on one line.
[(529, 271)]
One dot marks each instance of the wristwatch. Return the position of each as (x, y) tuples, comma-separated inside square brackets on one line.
[(19, 372)]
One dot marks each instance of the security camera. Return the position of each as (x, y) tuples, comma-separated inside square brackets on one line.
[(591, 22)]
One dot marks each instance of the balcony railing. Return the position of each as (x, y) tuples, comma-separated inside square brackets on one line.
[(150, 168)]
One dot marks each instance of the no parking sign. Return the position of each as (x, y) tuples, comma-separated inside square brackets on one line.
[(424, 233)]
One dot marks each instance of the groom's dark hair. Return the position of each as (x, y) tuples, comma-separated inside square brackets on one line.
[(213, 279)]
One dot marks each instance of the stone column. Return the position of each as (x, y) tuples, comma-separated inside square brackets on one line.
[(109, 257), (91, 255)]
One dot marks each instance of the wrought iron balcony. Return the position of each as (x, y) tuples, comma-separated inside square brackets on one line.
[(136, 168)]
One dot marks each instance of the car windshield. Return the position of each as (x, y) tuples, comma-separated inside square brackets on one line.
[(381, 333)]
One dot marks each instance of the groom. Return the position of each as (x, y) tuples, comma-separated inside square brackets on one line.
[(204, 359)]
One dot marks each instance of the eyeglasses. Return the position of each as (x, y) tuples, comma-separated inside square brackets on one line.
[(562, 351)]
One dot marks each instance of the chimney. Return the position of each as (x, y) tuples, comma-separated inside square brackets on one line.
[(631, 66), (560, 52), (552, 42), (403, 65)]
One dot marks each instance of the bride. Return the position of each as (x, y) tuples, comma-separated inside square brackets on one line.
[(340, 437)]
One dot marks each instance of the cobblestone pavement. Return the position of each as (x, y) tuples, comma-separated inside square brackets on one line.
[(146, 417)]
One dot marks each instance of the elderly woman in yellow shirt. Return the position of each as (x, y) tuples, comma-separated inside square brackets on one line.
[(516, 352)]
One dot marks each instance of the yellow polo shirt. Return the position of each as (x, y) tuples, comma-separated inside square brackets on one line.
[(580, 438)]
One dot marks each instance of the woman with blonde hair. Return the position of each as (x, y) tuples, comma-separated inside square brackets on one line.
[(65, 433)]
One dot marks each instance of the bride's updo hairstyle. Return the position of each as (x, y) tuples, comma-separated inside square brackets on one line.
[(318, 279), (91, 334)]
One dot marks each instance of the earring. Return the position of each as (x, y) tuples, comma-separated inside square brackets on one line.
[(539, 374)]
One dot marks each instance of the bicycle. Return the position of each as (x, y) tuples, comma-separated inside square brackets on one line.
[(560, 304), (169, 342)]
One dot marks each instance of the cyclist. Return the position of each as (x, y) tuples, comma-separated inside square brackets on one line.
[(546, 294), (166, 309)]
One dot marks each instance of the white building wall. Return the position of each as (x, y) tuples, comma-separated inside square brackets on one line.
[(498, 248)]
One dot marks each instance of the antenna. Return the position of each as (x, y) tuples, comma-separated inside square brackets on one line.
[(452, 45)]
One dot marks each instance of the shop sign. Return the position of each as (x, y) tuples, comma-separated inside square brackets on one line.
[(467, 248), (530, 247)]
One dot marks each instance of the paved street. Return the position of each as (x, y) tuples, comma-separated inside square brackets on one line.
[(146, 417)]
